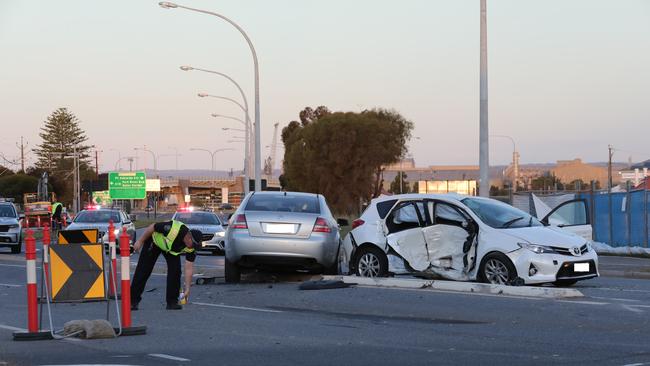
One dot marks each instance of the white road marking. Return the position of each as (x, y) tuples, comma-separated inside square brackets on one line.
[(641, 306), (8, 327), (632, 309), (236, 307), (613, 298), (10, 285), (168, 357), (618, 289), (584, 302)]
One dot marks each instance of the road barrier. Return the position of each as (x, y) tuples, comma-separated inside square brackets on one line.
[(125, 252), (112, 276), (78, 236), (33, 333)]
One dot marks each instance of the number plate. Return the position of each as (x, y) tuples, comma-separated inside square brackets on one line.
[(280, 228), (581, 267)]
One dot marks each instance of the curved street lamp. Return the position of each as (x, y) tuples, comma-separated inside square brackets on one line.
[(212, 153), (258, 166)]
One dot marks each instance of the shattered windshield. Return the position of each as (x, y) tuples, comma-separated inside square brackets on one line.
[(500, 215)]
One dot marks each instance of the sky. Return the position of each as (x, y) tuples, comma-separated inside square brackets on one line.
[(566, 78)]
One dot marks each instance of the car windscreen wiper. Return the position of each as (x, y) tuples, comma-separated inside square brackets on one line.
[(508, 223)]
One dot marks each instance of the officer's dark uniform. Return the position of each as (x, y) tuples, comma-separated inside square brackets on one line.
[(149, 254)]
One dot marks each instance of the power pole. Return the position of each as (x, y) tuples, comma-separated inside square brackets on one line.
[(22, 147), (484, 147), (96, 164), (609, 168)]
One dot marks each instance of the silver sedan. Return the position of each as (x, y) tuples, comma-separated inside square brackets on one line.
[(282, 230), (208, 224)]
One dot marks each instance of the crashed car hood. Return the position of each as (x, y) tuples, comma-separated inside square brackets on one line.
[(548, 236)]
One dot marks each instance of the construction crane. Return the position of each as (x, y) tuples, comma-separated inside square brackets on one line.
[(269, 165)]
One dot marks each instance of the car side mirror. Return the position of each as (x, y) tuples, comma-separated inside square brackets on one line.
[(21, 217), (132, 217), (343, 222)]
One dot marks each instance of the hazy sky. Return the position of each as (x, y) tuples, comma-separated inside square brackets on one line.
[(566, 78)]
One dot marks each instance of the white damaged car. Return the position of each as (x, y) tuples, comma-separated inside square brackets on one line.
[(463, 238)]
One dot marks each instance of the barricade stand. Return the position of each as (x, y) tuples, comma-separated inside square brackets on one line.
[(127, 328), (113, 266), (33, 333)]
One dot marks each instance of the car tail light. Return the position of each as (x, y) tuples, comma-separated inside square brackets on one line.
[(356, 223), (321, 226), (240, 222)]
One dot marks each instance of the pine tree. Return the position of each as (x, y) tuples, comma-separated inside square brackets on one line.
[(61, 134)]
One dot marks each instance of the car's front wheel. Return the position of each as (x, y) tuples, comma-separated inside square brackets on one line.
[(371, 262), (497, 269), (232, 272)]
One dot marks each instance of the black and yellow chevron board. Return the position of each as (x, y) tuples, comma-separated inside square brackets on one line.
[(78, 236), (77, 272)]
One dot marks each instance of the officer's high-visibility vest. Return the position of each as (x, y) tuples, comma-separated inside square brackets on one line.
[(165, 242), (54, 207)]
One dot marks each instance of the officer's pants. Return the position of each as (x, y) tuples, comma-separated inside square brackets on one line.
[(148, 256)]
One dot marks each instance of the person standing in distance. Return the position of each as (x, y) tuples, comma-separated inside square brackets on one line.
[(172, 239)]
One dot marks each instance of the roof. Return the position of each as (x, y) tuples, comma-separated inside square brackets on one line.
[(641, 165)]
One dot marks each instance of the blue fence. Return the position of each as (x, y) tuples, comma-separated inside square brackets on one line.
[(620, 218)]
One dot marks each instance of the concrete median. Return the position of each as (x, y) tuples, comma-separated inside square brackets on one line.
[(465, 287)]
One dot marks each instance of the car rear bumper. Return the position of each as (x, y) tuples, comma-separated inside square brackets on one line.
[(321, 249)]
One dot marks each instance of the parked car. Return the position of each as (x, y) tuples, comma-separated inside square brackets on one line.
[(208, 223), (10, 227), (98, 218), (464, 238), (285, 230)]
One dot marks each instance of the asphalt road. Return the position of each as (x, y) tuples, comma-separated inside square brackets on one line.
[(267, 323)]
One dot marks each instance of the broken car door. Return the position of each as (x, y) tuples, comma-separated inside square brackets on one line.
[(450, 238), (571, 216), (404, 233)]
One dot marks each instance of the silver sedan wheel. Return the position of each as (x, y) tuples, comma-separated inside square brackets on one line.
[(496, 272), (369, 265)]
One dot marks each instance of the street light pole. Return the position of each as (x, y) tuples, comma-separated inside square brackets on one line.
[(258, 167), (212, 154), (249, 148), (484, 147)]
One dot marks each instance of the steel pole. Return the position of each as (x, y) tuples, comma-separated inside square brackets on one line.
[(258, 167), (484, 147)]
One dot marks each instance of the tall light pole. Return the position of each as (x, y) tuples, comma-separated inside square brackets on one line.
[(515, 161), (484, 147), (119, 158), (129, 158), (155, 160), (249, 163), (212, 154), (258, 167), (176, 154), (249, 147)]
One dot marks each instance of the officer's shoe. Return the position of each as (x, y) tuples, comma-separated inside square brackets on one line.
[(175, 306)]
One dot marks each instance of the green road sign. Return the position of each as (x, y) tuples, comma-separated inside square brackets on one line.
[(127, 186), (102, 198)]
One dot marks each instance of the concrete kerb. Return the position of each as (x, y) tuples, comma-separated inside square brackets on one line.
[(467, 287)]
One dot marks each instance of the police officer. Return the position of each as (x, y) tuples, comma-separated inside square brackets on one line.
[(57, 209), (171, 238)]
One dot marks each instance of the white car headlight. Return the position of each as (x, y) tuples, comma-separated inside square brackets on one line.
[(538, 249), (116, 232), (14, 226), (220, 234)]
